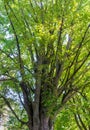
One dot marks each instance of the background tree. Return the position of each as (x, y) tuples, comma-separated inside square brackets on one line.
[(45, 57)]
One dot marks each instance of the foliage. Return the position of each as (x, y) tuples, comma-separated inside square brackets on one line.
[(44, 55)]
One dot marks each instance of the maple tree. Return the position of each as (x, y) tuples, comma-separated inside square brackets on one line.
[(44, 57)]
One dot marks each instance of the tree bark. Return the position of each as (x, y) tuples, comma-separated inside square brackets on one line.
[(45, 124)]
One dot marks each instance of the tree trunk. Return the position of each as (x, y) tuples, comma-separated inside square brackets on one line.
[(46, 123)]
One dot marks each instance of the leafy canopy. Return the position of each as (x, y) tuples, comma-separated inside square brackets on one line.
[(44, 52)]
